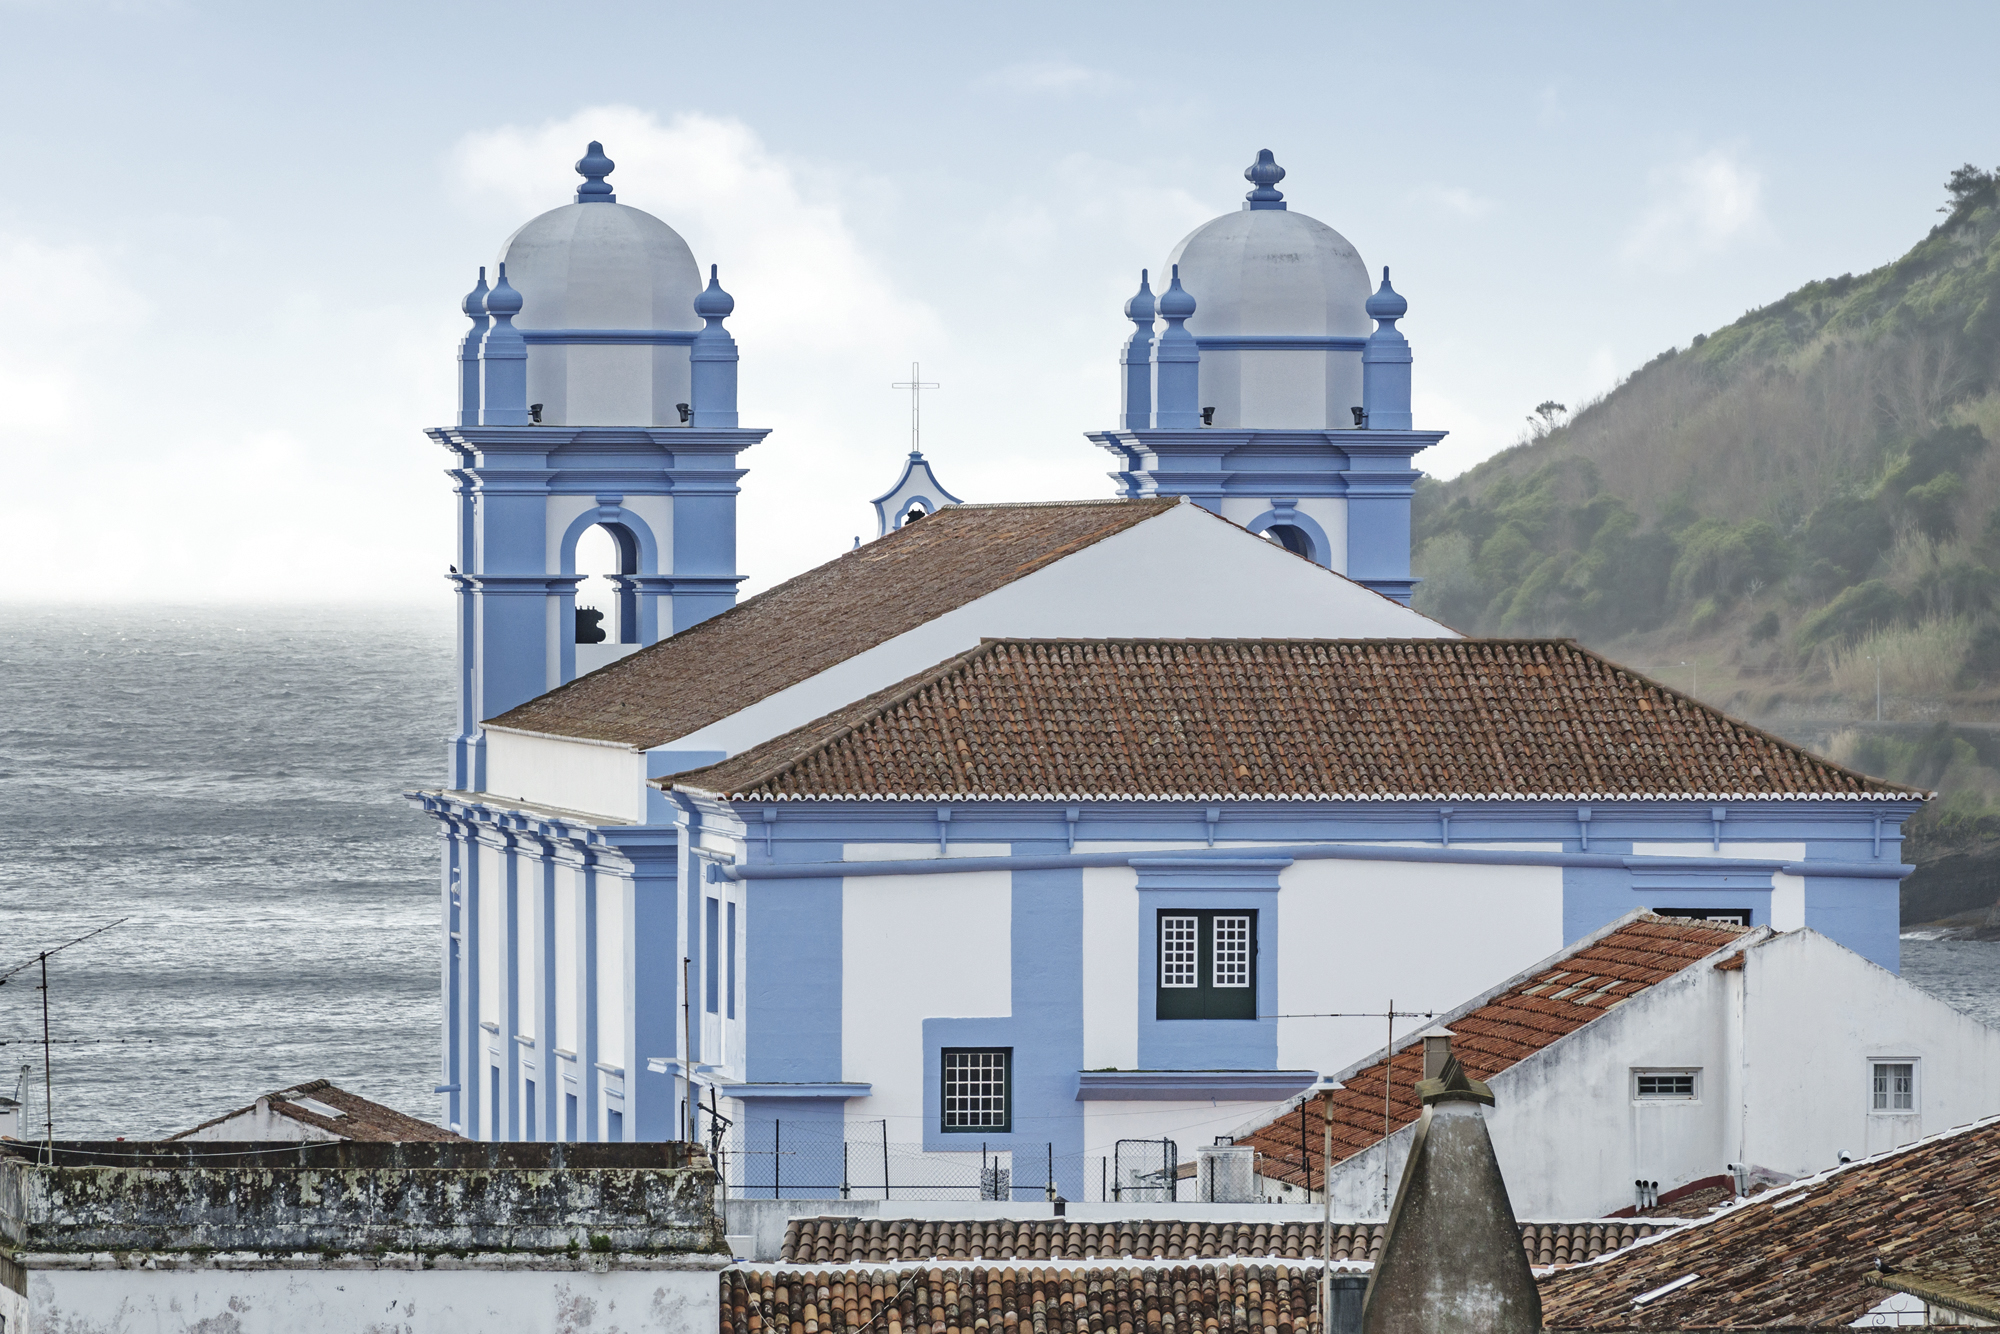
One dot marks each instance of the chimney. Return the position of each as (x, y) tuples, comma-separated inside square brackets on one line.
[(1437, 1050), (1451, 1259)]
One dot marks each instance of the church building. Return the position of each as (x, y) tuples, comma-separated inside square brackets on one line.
[(1026, 830)]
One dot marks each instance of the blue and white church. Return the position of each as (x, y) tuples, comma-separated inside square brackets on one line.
[(1026, 829)]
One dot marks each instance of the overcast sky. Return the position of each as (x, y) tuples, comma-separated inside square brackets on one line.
[(233, 237)]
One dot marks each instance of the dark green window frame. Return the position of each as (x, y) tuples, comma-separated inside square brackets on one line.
[(1195, 980), (970, 1081)]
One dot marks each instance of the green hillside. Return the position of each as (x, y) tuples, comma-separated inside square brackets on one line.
[(1776, 512)]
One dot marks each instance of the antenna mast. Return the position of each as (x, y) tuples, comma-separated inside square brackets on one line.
[(48, 1076)]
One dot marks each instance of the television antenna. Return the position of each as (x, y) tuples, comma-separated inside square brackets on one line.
[(916, 384), (48, 1077), (1392, 1014)]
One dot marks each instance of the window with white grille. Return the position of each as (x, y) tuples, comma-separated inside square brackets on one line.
[(1179, 937), (1895, 1086), (1232, 951), (976, 1090), (1208, 964)]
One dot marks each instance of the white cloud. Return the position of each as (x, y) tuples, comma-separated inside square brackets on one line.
[(1453, 199), (1700, 206), (1047, 76)]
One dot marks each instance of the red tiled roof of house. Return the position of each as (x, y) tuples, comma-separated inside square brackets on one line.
[(1551, 1002), (360, 1118), (826, 615), (1279, 719), (1802, 1254), (874, 1241), (1187, 1299)]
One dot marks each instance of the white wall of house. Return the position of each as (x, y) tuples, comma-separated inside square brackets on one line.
[(566, 774), (1352, 938), (251, 1295), (1782, 1053)]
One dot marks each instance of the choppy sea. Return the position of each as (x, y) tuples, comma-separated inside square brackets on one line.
[(226, 780)]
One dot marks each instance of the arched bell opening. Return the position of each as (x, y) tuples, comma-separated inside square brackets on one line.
[(1291, 537), (607, 608)]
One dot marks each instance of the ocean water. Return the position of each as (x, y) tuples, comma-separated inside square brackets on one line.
[(227, 780)]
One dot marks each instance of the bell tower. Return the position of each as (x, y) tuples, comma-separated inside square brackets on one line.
[(1268, 397), (597, 388)]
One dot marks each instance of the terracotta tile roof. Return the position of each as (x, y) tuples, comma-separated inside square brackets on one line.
[(874, 1241), (1190, 1299), (1798, 1254), (1552, 1001), (1247, 719), (361, 1118), (824, 616)]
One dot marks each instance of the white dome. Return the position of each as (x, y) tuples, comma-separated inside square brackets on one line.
[(1263, 276), (604, 266), (1272, 271)]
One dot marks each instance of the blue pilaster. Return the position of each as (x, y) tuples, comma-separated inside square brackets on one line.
[(1135, 361), (468, 352), (1385, 363), (712, 360), (503, 360), (1176, 363)]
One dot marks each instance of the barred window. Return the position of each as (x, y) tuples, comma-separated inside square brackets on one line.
[(1665, 1084), (1895, 1086), (977, 1089), (1232, 951), (1208, 964), (1177, 952)]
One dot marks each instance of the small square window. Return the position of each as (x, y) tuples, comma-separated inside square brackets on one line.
[(1664, 1085), (977, 1089), (1895, 1087)]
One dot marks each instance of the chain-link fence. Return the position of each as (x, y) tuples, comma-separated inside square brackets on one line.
[(816, 1159)]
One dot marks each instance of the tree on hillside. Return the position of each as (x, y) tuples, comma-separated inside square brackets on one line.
[(1548, 415), (1964, 185)]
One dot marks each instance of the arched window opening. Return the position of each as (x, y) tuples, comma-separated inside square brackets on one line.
[(915, 512), (603, 551), (1292, 538)]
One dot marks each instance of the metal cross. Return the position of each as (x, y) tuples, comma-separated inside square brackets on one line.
[(916, 384)]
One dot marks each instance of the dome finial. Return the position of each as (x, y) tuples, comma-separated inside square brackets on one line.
[(1139, 309), (1264, 173), (1387, 304), (714, 304), (1176, 303), (474, 304), (593, 166)]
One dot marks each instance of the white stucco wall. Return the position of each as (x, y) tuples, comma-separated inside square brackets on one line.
[(945, 938), (1214, 580), (1110, 968), (589, 777), (568, 958), (1816, 1019), (1783, 1050), (1352, 939), (306, 1295)]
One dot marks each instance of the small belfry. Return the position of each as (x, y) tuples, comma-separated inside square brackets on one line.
[(1268, 397), (917, 492), (597, 389)]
